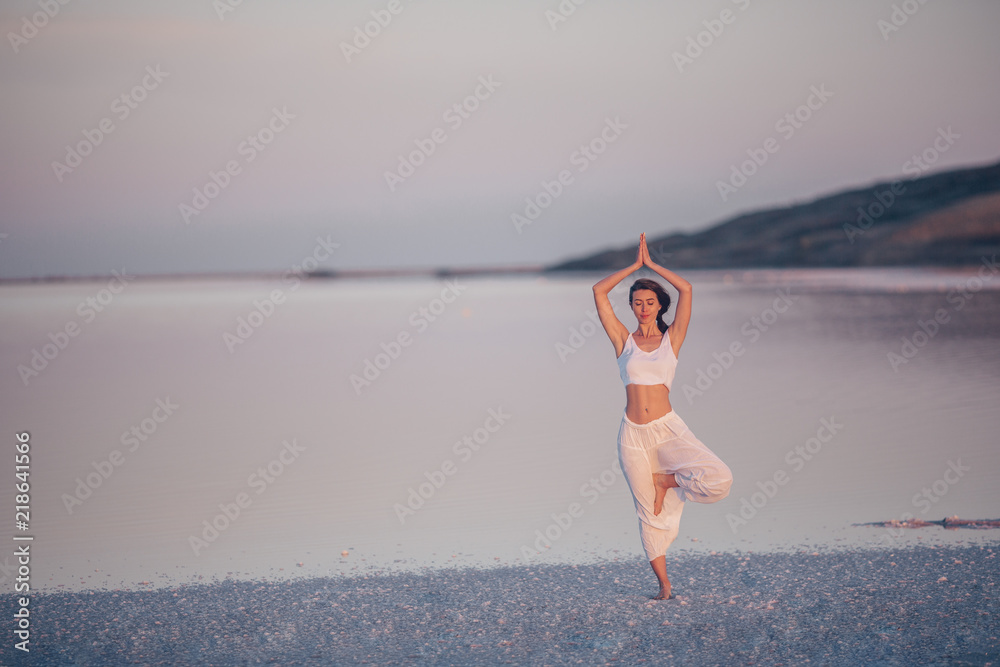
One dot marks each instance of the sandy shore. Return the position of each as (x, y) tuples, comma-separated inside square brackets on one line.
[(921, 605)]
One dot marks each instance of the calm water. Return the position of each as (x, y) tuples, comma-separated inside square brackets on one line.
[(487, 419)]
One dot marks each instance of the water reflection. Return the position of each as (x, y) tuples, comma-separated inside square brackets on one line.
[(413, 468)]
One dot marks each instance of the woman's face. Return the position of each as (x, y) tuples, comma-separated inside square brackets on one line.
[(645, 305)]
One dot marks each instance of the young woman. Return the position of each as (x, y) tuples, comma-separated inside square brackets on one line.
[(663, 462)]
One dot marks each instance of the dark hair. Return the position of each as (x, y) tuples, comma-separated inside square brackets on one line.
[(661, 295)]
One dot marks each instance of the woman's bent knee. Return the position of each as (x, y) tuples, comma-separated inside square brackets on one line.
[(717, 488), (723, 490), (724, 482), (723, 486), (705, 485)]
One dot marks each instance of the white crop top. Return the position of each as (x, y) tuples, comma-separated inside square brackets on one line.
[(640, 367)]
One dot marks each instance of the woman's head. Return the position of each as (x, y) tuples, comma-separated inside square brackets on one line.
[(648, 299)]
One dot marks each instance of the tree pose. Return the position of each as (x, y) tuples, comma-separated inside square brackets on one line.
[(663, 462)]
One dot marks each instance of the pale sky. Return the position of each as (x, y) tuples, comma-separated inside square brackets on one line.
[(199, 82)]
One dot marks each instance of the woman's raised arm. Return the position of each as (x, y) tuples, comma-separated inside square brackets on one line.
[(682, 315), (616, 331)]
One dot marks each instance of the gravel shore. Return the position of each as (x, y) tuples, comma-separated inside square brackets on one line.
[(921, 605)]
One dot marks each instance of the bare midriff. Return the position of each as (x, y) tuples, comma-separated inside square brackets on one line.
[(646, 402)]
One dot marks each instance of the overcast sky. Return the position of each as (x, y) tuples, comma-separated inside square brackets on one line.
[(311, 116)]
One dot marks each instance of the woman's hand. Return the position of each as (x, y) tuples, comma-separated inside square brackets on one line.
[(682, 314), (644, 257)]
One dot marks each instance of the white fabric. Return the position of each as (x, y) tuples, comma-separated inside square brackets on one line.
[(636, 366), (666, 445)]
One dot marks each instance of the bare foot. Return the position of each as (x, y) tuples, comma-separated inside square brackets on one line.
[(661, 483), (664, 594)]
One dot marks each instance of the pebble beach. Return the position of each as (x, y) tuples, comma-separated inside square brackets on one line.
[(916, 605)]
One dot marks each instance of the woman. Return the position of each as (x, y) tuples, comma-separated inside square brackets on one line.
[(663, 462)]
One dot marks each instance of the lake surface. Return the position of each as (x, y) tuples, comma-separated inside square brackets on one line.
[(427, 422)]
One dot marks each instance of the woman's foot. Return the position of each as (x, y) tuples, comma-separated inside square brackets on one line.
[(664, 594), (661, 483), (659, 565)]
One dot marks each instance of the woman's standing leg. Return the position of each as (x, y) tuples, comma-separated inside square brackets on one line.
[(637, 446), (659, 565)]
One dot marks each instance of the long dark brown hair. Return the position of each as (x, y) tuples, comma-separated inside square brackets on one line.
[(661, 295)]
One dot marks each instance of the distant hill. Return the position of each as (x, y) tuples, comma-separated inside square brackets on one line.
[(950, 218)]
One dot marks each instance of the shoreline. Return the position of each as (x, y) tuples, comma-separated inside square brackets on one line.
[(915, 604), (436, 273), (883, 535)]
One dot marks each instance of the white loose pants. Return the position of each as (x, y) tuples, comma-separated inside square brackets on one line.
[(666, 445)]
